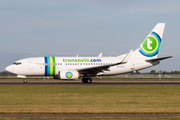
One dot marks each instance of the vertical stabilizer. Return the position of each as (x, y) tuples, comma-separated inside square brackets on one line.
[(149, 48)]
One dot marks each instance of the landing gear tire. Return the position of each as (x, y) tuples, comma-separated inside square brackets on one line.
[(86, 80), (25, 80), (89, 80)]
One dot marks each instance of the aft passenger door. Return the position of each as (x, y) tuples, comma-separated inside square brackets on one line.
[(132, 64)]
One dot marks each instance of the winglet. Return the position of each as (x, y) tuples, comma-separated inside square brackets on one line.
[(126, 58)]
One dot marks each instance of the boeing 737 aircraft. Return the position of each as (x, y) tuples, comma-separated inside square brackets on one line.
[(67, 68)]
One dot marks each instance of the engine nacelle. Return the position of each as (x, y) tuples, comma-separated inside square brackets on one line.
[(68, 74)]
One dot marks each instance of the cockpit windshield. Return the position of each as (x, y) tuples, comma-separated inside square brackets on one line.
[(17, 63)]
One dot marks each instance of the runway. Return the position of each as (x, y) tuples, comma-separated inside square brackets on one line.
[(90, 84), (88, 115)]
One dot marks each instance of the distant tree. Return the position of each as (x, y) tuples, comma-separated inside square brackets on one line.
[(165, 72), (172, 72), (153, 72), (5, 73)]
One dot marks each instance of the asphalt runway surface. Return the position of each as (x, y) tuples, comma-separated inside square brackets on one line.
[(87, 115), (91, 84)]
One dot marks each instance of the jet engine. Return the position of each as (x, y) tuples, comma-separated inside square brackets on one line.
[(67, 74)]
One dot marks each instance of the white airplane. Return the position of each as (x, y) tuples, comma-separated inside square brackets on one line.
[(67, 68)]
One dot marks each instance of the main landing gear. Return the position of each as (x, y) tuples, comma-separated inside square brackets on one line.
[(25, 80), (86, 80)]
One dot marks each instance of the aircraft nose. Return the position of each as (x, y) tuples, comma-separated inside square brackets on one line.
[(8, 68)]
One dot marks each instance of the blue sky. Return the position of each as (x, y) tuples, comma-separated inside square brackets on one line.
[(31, 28)]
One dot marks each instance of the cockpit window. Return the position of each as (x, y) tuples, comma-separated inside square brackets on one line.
[(17, 63)]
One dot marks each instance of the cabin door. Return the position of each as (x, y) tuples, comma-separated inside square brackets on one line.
[(30, 64), (132, 64)]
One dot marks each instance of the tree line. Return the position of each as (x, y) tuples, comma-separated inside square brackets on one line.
[(5, 74), (164, 72)]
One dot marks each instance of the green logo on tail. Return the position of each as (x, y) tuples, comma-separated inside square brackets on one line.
[(150, 45)]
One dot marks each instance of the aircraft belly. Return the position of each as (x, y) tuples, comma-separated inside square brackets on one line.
[(117, 70)]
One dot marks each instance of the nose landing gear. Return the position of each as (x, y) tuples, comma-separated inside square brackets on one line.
[(25, 80)]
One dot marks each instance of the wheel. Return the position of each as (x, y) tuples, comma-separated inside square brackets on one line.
[(89, 80), (25, 80), (84, 80)]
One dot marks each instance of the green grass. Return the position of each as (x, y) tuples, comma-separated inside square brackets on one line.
[(97, 118), (90, 99)]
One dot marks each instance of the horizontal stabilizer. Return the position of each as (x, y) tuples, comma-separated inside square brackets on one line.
[(158, 59)]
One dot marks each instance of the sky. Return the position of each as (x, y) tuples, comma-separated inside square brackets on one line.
[(37, 28)]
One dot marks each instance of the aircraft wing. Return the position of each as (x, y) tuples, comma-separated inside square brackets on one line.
[(97, 69), (158, 59)]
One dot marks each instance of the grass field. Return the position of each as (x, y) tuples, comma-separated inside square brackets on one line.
[(98, 118), (90, 99)]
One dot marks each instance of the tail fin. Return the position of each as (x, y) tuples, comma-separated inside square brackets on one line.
[(150, 46)]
